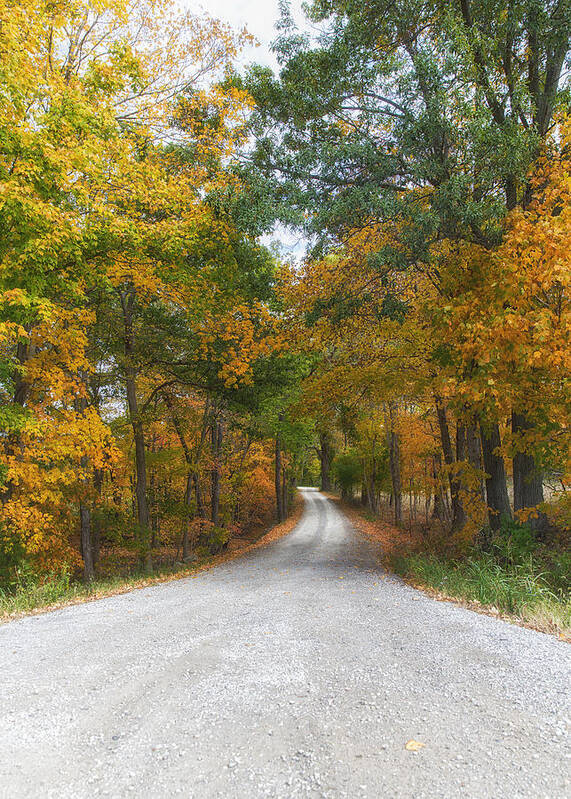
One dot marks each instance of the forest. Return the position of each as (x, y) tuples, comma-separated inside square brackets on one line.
[(167, 377)]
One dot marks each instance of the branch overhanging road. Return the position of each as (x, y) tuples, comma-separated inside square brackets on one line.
[(299, 670)]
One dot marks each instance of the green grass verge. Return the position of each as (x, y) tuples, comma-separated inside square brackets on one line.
[(533, 587), (31, 594)]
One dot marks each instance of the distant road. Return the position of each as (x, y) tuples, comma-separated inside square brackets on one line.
[(299, 670)]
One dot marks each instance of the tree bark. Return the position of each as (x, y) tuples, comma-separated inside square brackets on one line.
[(528, 478), (193, 475), (186, 527), (216, 448), (277, 478), (439, 509), (284, 494), (474, 453), (496, 487), (393, 443), (96, 522), (127, 302), (86, 543), (458, 514), (325, 457)]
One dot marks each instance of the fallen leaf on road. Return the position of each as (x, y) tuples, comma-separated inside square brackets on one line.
[(413, 746)]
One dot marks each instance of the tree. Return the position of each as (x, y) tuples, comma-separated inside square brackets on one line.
[(421, 116)]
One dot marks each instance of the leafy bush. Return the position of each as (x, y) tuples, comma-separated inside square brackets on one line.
[(217, 539), (347, 468), (12, 558)]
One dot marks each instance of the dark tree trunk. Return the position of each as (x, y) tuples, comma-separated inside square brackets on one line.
[(474, 453), (284, 494), (278, 480), (86, 544), (439, 508), (96, 521), (393, 444), (325, 457), (186, 528), (528, 478), (458, 515), (200, 508), (127, 302), (216, 448), (496, 487)]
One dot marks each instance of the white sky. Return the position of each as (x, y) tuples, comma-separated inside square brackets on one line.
[(259, 17)]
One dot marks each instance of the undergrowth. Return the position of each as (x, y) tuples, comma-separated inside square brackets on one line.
[(29, 592), (513, 574)]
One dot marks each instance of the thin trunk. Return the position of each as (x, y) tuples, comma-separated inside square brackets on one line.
[(86, 550), (439, 509), (216, 449), (127, 302), (277, 478), (284, 494), (191, 462), (325, 457), (96, 521), (200, 507), (393, 442), (496, 487), (86, 544), (458, 515), (186, 528)]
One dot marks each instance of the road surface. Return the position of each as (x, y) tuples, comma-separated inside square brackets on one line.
[(299, 670)]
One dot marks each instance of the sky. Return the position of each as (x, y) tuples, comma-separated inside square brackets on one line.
[(259, 17)]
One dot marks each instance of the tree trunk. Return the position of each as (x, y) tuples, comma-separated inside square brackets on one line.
[(325, 456), (216, 448), (86, 545), (528, 478), (393, 443), (186, 528), (96, 522), (439, 509), (284, 494), (474, 453), (193, 475), (200, 509), (278, 480), (496, 487), (458, 515), (127, 302)]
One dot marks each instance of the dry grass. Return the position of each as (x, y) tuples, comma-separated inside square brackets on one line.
[(422, 561), (40, 598)]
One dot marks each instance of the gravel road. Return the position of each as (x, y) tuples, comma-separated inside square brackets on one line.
[(299, 670)]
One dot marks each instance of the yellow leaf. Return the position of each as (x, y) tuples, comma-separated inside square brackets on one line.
[(413, 746)]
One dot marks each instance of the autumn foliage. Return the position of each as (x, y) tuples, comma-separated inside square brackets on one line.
[(133, 311)]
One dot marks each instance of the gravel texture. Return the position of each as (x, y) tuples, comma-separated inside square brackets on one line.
[(299, 670)]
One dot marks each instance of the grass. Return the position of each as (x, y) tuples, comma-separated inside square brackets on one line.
[(524, 590), (57, 589), (33, 595), (513, 576)]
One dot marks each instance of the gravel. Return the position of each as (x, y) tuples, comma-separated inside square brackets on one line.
[(299, 670)]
